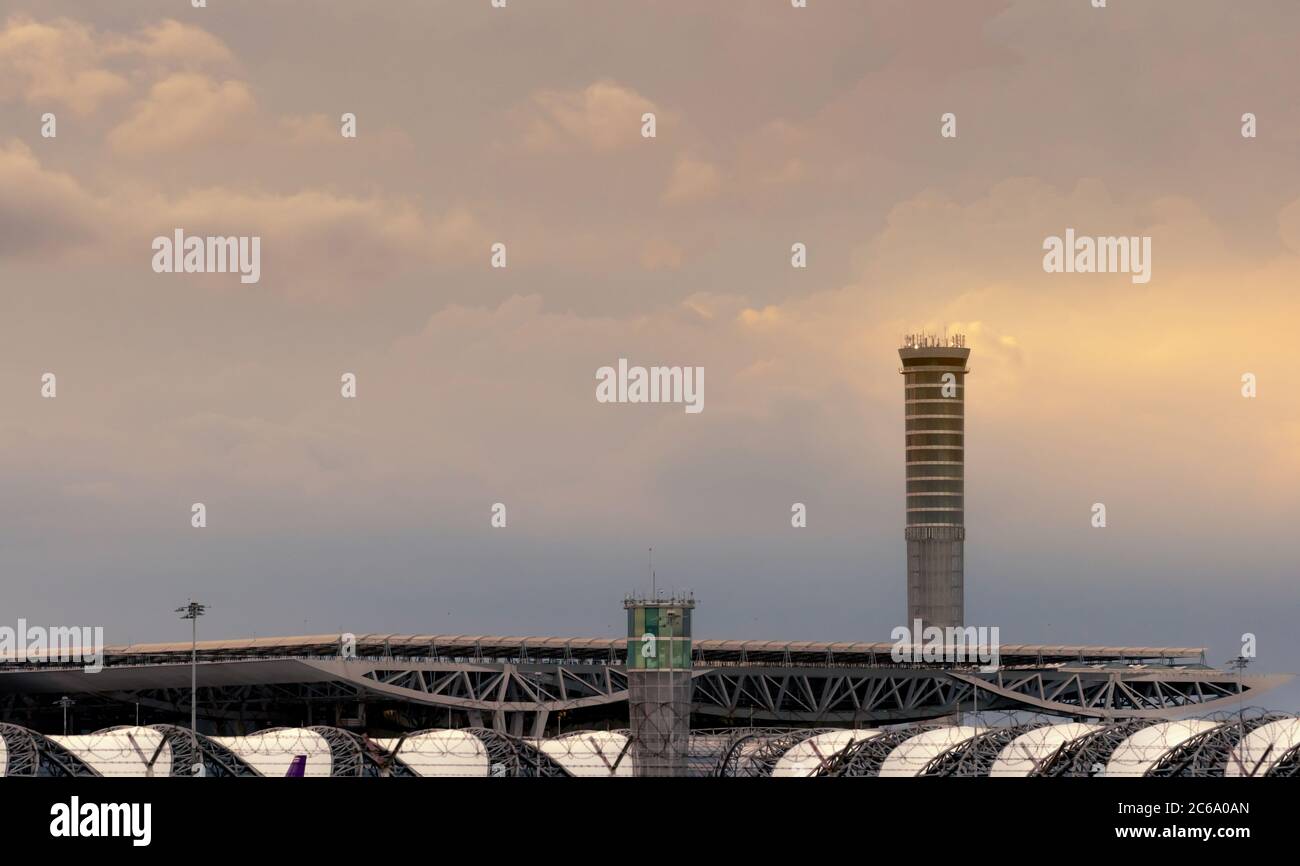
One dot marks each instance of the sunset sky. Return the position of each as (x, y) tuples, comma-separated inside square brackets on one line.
[(476, 385)]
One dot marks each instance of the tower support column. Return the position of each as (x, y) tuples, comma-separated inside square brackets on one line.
[(659, 671)]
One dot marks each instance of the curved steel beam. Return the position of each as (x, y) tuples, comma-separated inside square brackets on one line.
[(1107, 685), (41, 756)]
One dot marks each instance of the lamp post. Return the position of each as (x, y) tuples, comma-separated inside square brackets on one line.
[(192, 612), (1239, 665), (65, 702)]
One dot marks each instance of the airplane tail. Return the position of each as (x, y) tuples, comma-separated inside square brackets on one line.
[(298, 768)]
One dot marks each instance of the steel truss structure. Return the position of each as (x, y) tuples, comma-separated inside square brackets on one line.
[(983, 747), (752, 752), (354, 755), (975, 757), (528, 686), (864, 757), (217, 760), (851, 697), (28, 753), (33, 754), (1210, 753), (1288, 765), (514, 757), (1087, 755)]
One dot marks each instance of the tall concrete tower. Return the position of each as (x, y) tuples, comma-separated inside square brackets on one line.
[(934, 389)]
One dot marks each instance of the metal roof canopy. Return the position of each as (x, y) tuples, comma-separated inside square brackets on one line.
[(707, 652)]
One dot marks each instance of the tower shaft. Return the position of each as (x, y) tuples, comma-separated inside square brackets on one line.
[(934, 387)]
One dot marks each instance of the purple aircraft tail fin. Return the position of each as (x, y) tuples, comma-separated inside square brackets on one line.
[(298, 768)]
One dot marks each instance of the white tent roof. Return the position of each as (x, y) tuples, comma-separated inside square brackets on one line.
[(272, 752), (1252, 756), (590, 753), (1144, 749), (120, 752), (442, 754), (457, 753), (804, 758), (1023, 754), (910, 756)]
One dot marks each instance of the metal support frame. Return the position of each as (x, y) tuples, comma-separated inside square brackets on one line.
[(1087, 755), (518, 698), (754, 752), (975, 756), (1208, 754), (515, 757), (33, 754), (863, 758)]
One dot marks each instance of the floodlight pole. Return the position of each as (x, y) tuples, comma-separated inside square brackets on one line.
[(65, 702), (192, 612), (1240, 663)]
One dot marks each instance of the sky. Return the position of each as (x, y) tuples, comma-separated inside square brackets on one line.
[(475, 385)]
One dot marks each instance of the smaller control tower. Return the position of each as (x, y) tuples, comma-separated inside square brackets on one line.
[(659, 682)]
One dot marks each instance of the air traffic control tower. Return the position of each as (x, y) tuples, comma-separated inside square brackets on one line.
[(934, 388), (659, 686)]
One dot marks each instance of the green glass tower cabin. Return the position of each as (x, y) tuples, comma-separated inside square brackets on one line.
[(659, 633)]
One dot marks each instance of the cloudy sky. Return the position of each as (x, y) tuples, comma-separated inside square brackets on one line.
[(476, 385)]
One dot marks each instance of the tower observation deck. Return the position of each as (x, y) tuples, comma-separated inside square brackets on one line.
[(934, 389)]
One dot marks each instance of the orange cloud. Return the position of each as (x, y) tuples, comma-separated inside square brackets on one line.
[(184, 110), (64, 63), (603, 116), (56, 65), (44, 211), (693, 180), (319, 243)]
